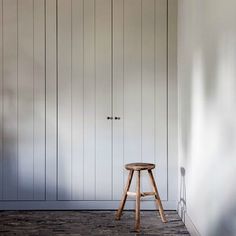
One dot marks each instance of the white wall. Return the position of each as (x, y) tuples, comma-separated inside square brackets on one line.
[(207, 114)]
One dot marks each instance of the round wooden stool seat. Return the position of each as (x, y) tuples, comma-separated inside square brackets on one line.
[(140, 166)]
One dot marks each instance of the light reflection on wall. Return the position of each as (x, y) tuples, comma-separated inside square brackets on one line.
[(209, 84)]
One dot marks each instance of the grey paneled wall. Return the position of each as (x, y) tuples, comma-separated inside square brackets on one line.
[(65, 66), (23, 100)]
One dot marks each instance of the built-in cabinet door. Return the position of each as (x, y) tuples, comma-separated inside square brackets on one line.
[(84, 100), (104, 59), (140, 89)]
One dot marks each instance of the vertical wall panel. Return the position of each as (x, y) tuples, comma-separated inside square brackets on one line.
[(132, 81), (77, 99), (148, 86), (161, 95), (64, 99), (118, 97), (10, 99), (51, 100), (39, 100), (1, 99), (103, 99), (89, 100), (25, 99)]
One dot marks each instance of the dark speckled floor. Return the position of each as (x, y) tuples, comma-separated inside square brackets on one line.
[(87, 223)]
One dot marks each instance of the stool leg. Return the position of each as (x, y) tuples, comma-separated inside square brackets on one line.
[(137, 211), (122, 203), (157, 197)]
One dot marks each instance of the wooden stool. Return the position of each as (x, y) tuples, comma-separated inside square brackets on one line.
[(139, 167)]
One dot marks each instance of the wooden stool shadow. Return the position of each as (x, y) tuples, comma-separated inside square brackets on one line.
[(138, 167)]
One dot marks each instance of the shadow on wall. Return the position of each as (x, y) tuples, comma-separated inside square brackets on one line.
[(182, 206), (22, 131), (8, 152)]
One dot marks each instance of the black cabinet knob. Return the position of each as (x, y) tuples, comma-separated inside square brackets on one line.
[(111, 118)]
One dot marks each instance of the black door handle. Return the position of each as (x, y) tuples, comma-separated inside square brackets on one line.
[(110, 118), (117, 118)]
